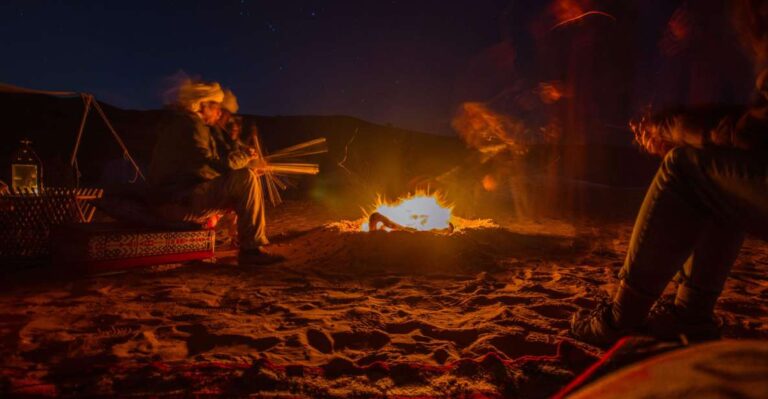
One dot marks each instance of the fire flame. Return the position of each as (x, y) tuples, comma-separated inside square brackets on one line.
[(419, 211)]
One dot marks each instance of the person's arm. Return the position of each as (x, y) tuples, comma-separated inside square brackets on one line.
[(238, 159), (693, 127), (751, 129), (203, 153), (258, 165)]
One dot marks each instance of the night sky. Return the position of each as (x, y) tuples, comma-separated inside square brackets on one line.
[(397, 62)]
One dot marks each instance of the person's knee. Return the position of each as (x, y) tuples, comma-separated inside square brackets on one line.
[(680, 161), (242, 178), (242, 175)]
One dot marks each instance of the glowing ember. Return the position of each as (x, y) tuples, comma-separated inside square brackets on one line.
[(420, 211)]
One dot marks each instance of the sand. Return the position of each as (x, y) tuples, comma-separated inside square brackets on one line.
[(482, 313)]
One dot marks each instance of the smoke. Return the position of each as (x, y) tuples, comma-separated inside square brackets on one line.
[(504, 141)]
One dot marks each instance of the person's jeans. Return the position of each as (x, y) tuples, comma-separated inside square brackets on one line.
[(239, 190), (694, 217)]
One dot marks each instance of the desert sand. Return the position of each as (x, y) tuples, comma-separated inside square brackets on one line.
[(482, 313)]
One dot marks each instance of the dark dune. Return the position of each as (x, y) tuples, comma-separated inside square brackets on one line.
[(364, 159)]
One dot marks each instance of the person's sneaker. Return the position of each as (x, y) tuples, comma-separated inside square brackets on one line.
[(596, 327), (258, 257), (665, 323)]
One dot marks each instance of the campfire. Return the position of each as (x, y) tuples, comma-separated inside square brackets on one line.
[(417, 212), (421, 211)]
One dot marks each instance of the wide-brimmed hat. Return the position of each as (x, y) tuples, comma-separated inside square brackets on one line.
[(191, 94), (230, 102)]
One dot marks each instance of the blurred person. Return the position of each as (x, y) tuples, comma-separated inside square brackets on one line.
[(252, 139), (710, 190), (229, 126), (226, 133), (190, 170)]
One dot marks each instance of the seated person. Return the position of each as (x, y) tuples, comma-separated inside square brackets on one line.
[(189, 170), (711, 189), (228, 128)]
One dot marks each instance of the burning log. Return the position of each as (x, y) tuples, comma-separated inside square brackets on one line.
[(379, 222)]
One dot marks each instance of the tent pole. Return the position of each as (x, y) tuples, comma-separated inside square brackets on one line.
[(118, 139), (87, 99)]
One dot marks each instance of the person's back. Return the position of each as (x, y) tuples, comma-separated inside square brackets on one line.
[(184, 154), (189, 172)]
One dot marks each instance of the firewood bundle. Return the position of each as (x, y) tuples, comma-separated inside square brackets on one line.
[(276, 166)]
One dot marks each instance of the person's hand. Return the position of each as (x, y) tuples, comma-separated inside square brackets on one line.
[(652, 134), (258, 165), (238, 159)]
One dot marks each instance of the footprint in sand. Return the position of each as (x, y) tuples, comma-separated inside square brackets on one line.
[(462, 337), (360, 340), (412, 348), (743, 308), (487, 300), (146, 343), (319, 340), (372, 358), (200, 340), (385, 282), (406, 327), (513, 345), (364, 317), (441, 355), (551, 294), (554, 311)]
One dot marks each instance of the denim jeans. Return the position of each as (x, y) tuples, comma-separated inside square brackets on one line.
[(694, 218), (239, 190)]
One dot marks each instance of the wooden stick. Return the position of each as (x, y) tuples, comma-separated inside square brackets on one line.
[(316, 146), (293, 168), (271, 169)]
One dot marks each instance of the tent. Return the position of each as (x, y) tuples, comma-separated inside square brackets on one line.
[(89, 101)]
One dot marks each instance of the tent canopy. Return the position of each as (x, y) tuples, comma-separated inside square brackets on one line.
[(88, 101), (8, 88)]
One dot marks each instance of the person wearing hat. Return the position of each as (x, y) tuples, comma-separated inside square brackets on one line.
[(189, 170), (228, 127), (226, 133)]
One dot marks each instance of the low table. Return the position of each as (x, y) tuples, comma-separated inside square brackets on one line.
[(26, 218), (108, 247)]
